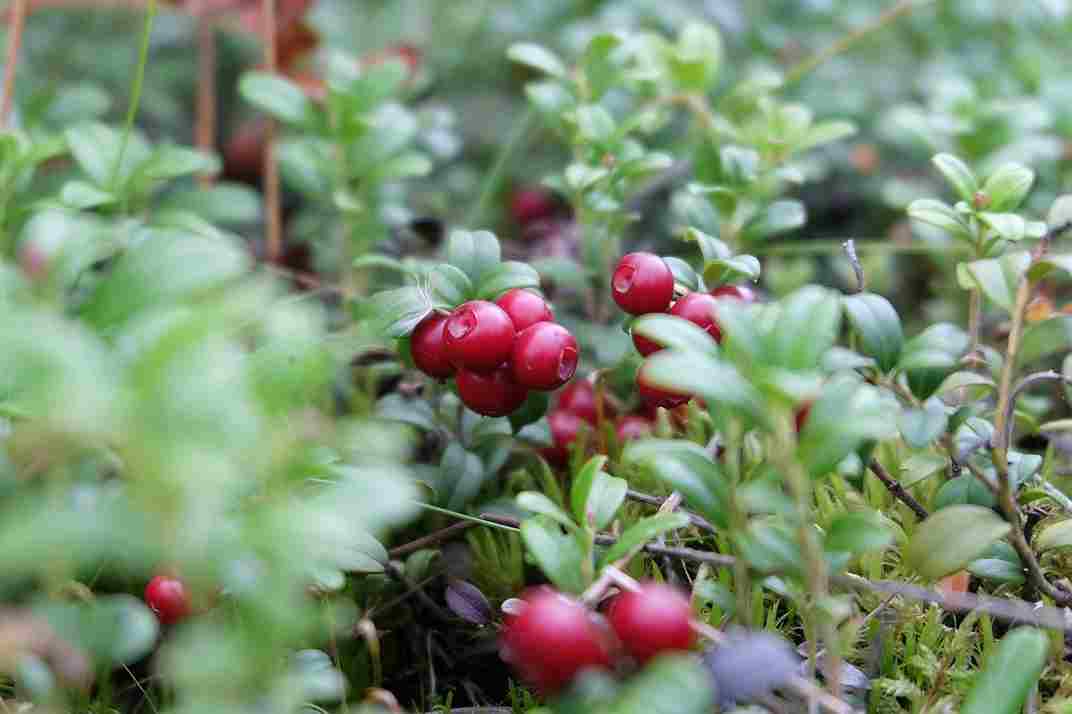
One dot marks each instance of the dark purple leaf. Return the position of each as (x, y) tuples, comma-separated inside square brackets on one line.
[(467, 602)]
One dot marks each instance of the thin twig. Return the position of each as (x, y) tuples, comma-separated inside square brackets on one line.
[(14, 43), (272, 210), (135, 92), (1025, 383), (696, 520), (206, 88), (798, 72), (894, 487), (431, 539), (849, 247)]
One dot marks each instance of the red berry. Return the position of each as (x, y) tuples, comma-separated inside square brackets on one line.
[(654, 396), (525, 308), (699, 309), (645, 346), (652, 620), (553, 639), (800, 417), (493, 394), (167, 597), (565, 428), (544, 357), (479, 336), (428, 348), (737, 292), (632, 427), (642, 283), (532, 204), (580, 399)]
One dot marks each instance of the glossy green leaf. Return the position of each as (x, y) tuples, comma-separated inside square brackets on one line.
[(398, 311), (731, 270), (1050, 263), (951, 538), (779, 217), (600, 495), (858, 532), (276, 96), (538, 57), (711, 248), (658, 688), (1009, 226), (1009, 674), (687, 468), (1007, 186), (920, 427), (674, 332), (997, 278), (999, 564), (959, 176), (476, 253), (449, 285), (683, 273), (846, 414), (877, 327), (719, 383), (940, 215), (540, 504), (643, 531), (506, 276), (115, 629), (1045, 338), (964, 489), (1055, 535), (807, 326), (558, 554)]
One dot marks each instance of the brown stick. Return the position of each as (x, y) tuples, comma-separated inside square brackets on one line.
[(272, 213), (206, 88), (431, 539), (894, 487), (696, 520), (14, 43)]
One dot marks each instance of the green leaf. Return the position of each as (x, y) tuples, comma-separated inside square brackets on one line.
[(695, 58), (171, 162), (1042, 339), (1060, 213), (806, 326), (711, 248), (921, 427), (594, 123), (940, 215), (643, 531), (825, 133), (683, 273), (731, 270), (858, 532), (506, 276), (717, 381), (84, 195), (1007, 186), (114, 629), (951, 538), (686, 468), (1000, 564), (877, 326), (534, 409), (846, 414), (96, 148), (221, 203), (1010, 673), (779, 217), (1055, 535), (959, 176), (540, 504), (475, 252), (964, 489), (997, 278), (674, 332), (396, 312), (1009, 226), (1042, 268), (659, 688), (537, 57), (276, 96), (449, 284), (605, 496), (558, 554)]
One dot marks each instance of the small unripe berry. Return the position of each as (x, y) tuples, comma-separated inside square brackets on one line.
[(493, 394), (428, 347), (525, 308), (544, 356), (553, 639), (168, 598), (642, 283), (652, 620), (699, 309), (479, 336)]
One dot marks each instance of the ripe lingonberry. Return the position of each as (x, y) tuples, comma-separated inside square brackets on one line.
[(737, 292), (652, 620), (428, 348), (525, 308), (800, 416), (493, 394), (532, 204), (565, 428), (699, 309), (553, 639), (632, 427), (645, 346), (580, 398), (479, 336), (167, 597), (653, 396), (544, 356), (642, 283)]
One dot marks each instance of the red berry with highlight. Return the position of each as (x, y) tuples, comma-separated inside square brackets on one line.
[(642, 283), (525, 308), (656, 397), (544, 356), (632, 427), (428, 347), (493, 394), (479, 336), (652, 620), (565, 428), (552, 640), (168, 598), (699, 309)]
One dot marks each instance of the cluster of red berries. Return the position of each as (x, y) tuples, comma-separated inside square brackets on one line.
[(168, 597), (554, 637), (575, 411), (642, 284), (497, 351)]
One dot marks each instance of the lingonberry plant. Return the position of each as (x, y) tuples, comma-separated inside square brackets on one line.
[(516, 356)]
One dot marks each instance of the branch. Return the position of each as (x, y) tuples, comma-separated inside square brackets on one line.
[(894, 486), (696, 520), (849, 247), (14, 42), (1014, 394)]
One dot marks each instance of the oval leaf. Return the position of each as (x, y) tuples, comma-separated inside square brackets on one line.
[(951, 538), (1010, 673)]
